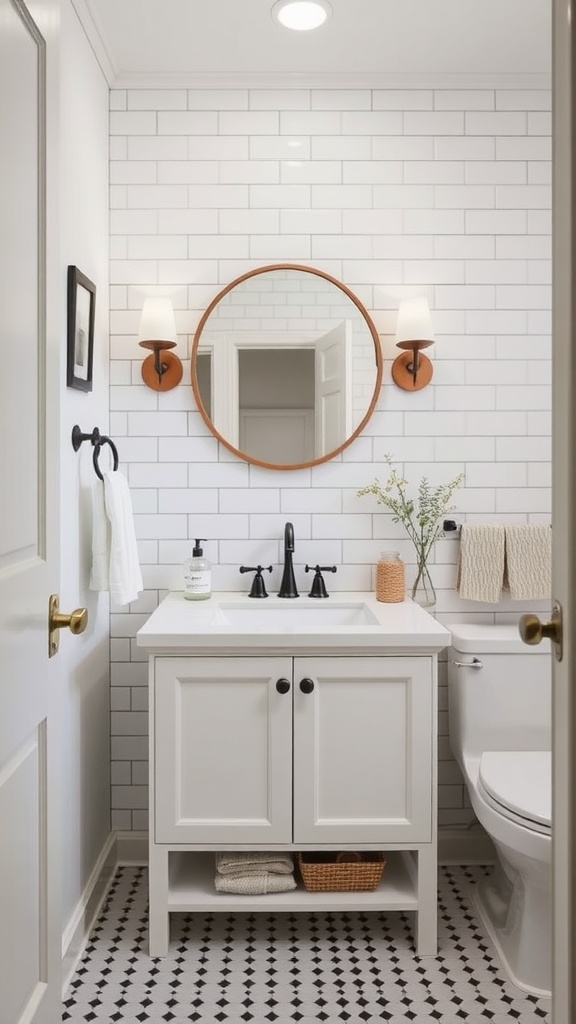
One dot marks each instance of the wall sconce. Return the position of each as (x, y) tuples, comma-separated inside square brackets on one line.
[(158, 333), (412, 371)]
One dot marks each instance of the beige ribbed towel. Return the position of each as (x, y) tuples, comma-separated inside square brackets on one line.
[(529, 561), (253, 862), (254, 885), (481, 563)]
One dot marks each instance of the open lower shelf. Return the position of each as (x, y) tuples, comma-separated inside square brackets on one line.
[(191, 888)]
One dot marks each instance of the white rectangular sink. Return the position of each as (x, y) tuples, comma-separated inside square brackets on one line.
[(263, 616), (232, 622)]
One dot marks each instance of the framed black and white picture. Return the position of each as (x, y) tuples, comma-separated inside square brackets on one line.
[(81, 309)]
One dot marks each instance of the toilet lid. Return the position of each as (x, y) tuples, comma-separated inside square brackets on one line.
[(520, 782)]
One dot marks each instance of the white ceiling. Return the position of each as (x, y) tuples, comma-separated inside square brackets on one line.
[(232, 38)]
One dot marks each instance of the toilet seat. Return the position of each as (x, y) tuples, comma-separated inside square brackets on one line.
[(518, 784)]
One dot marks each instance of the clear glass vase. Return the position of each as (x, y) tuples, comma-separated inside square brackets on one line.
[(423, 592)]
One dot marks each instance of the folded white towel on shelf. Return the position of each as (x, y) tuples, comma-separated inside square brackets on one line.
[(252, 862), (254, 885), (115, 545), (529, 561), (481, 562)]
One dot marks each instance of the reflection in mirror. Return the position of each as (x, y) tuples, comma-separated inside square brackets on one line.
[(286, 366)]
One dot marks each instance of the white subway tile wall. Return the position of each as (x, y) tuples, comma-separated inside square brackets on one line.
[(444, 193)]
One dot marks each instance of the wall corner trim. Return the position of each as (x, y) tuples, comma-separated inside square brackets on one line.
[(97, 39)]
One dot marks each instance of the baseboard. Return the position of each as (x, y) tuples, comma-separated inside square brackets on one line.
[(465, 846), (131, 847), (77, 930)]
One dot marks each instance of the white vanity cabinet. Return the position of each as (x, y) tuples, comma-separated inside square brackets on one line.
[(292, 750), (318, 741)]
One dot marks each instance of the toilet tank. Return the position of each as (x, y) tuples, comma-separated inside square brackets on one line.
[(499, 690)]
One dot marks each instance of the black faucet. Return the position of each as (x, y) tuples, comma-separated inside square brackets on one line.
[(288, 585)]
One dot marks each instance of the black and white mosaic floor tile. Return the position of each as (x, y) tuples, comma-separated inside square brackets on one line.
[(293, 968)]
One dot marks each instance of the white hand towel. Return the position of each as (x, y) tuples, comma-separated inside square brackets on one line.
[(254, 885), (252, 862), (125, 576), (529, 561), (100, 539), (481, 564)]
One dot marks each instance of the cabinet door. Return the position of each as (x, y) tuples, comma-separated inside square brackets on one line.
[(223, 750), (363, 745)]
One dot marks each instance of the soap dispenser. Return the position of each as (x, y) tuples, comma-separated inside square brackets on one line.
[(197, 575)]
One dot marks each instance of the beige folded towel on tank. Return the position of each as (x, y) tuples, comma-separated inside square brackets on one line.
[(253, 862), (528, 561), (481, 563), (254, 884)]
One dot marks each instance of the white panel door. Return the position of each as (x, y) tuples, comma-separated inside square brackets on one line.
[(30, 926), (363, 746), (223, 750), (333, 381), (278, 436), (563, 517)]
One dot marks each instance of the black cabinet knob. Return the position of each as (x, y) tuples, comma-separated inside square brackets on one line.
[(283, 686), (306, 685)]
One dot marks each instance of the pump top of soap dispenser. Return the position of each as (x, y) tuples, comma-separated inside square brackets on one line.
[(198, 551)]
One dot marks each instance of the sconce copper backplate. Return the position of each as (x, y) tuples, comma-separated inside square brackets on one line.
[(171, 376), (402, 376)]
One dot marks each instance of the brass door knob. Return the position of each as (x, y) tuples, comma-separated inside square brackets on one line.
[(533, 630), (76, 622)]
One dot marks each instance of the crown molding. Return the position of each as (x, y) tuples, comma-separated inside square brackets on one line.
[(336, 81), (96, 37)]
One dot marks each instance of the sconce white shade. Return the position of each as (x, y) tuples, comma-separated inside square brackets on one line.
[(414, 321), (157, 321)]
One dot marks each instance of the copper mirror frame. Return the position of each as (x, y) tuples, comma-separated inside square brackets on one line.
[(378, 369)]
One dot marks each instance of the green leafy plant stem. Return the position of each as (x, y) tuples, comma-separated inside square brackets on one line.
[(421, 519)]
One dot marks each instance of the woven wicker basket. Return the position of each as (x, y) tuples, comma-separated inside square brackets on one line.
[(341, 872)]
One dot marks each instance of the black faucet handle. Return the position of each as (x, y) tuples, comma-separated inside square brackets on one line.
[(258, 588), (318, 586)]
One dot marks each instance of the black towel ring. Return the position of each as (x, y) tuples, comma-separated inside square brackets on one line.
[(96, 440), (96, 455)]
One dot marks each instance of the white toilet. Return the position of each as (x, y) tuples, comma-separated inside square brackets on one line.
[(500, 734)]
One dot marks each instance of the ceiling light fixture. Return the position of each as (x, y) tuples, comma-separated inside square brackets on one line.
[(301, 15)]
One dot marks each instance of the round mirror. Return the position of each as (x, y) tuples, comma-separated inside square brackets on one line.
[(286, 366)]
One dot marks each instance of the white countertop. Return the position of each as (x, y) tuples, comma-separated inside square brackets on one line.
[(180, 626)]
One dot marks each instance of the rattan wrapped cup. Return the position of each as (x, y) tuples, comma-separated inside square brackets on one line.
[(390, 578), (341, 872)]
